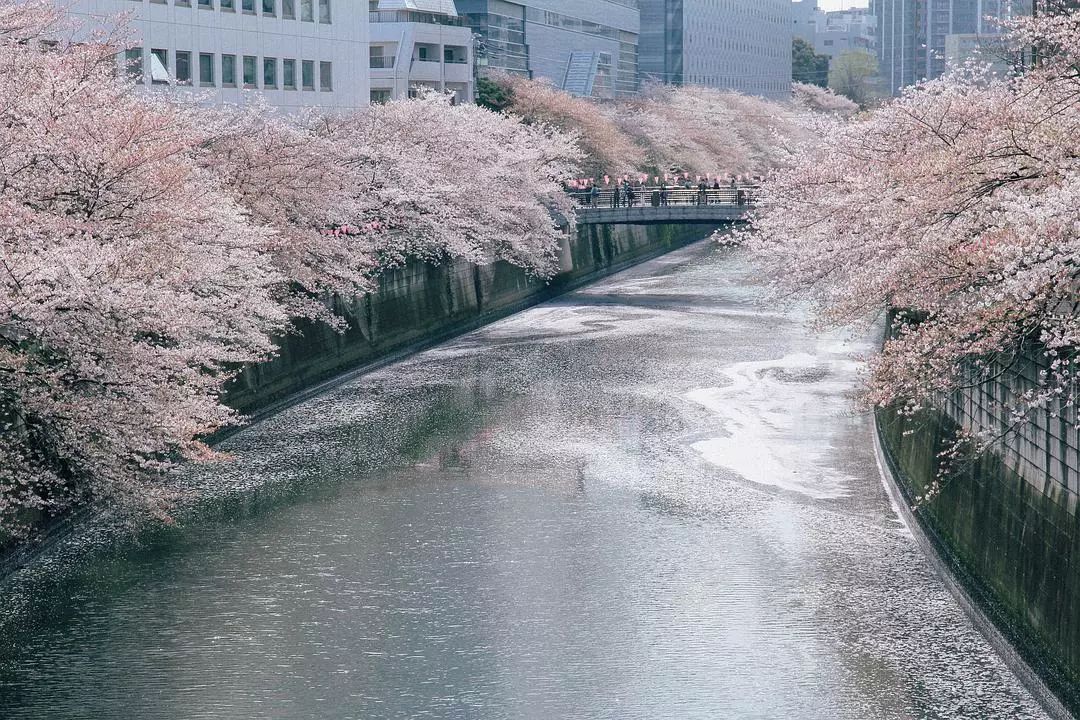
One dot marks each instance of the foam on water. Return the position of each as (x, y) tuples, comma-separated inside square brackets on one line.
[(777, 419)]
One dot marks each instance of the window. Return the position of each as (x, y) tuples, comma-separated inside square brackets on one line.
[(288, 74), (159, 65), (228, 70), (288, 9), (307, 72), (248, 6), (227, 5), (250, 64), (206, 70), (324, 11), (326, 76), (269, 72), (269, 7), (379, 97), (206, 4), (307, 10), (183, 66), (421, 53), (133, 63)]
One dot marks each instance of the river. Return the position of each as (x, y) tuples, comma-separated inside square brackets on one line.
[(652, 498)]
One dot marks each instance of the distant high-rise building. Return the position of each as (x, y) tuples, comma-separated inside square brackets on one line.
[(587, 48), (834, 33), (912, 34), (741, 45)]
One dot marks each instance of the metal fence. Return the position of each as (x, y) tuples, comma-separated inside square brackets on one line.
[(659, 196)]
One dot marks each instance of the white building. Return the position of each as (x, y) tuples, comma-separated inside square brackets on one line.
[(846, 30), (297, 53), (837, 32), (419, 43)]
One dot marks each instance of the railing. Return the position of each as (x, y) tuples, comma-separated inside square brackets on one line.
[(645, 196), (413, 16), (383, 62)]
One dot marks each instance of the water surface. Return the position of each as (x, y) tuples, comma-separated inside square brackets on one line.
[(650, 499)]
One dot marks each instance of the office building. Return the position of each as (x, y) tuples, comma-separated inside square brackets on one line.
[(419, 43), (834, 33), (912, 34), (297, 53), (586, 48), (740, 45)]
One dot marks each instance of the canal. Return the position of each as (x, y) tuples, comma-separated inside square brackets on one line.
[(652, 498)]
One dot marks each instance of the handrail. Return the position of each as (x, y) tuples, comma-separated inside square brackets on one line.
[(658, 196)]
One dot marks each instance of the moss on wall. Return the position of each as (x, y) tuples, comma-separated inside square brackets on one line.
[(1013, 542)]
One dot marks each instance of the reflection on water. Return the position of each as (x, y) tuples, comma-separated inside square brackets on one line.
[(651, 499)]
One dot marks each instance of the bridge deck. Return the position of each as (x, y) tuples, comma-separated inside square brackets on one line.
[(649, 215), (677, 205)]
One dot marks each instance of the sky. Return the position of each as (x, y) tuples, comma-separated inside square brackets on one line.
[(841, 4)]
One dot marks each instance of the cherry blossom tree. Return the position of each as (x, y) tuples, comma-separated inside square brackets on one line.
[(608, 148), (149, 248), (460, 181), (129, 284), (29, 20), (683, 130), (699, 131), (817, 99), (295, 181), (958, 204)]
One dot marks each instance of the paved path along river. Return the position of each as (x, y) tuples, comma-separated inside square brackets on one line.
[(650, 499)]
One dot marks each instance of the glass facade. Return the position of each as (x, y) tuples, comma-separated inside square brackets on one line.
[(538, 38)]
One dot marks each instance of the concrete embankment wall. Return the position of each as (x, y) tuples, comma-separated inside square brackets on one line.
[(422, 304), (1006, 519)]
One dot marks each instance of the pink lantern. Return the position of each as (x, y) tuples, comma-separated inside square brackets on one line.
[(656, 180), (607, 180)]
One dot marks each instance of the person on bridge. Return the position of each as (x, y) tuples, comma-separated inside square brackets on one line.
[(702, 193), (594, 194), (615, 196), (629, 195), (663, 195)]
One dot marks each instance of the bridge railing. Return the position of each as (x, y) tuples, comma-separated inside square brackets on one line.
[(655, 196)]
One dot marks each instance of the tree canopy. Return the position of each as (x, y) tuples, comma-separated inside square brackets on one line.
[(807, 66)]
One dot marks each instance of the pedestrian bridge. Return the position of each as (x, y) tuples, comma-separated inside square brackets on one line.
[(654, 206)]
